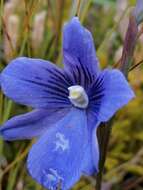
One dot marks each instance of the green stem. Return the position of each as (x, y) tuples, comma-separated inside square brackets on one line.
[(84, 9), (1, 107), (8, 110), (78, 8)]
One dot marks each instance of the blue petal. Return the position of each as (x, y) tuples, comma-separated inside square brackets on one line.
[(31, 124), (35, 82), (78, 49), (57, 157), (92, 152), (109, 93)]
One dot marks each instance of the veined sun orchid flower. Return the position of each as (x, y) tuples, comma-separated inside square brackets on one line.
[(69, 105)]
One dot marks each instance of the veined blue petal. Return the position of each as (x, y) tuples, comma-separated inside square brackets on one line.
[(32, 124), (78, 50), (109, 93), (57, 157), (35, 82)]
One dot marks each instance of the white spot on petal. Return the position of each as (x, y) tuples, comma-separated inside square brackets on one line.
[(52, 179), (61, 142), (55, 173)]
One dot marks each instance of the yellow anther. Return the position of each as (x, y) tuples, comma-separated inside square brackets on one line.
[(75, 94)]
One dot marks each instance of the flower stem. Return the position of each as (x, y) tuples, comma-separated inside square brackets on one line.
[(103, 135), (8, 110), (1, 107)]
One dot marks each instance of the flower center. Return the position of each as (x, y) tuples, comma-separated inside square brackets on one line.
[(78, 96)]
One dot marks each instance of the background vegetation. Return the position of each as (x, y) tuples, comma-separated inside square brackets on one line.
[(33, 28)]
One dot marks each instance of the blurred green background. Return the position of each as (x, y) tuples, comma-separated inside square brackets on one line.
[(34, 28)]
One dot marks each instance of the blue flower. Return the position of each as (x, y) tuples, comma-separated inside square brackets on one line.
[(69, 105)]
